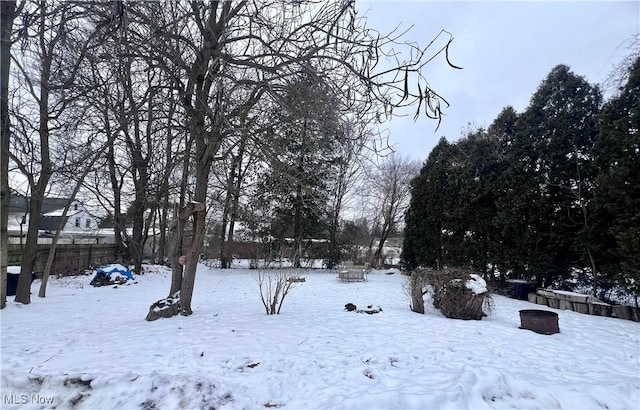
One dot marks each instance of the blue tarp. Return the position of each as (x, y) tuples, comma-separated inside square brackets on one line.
[(113, 272)]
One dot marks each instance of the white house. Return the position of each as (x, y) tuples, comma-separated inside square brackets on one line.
[(78, 220), (79, 225)]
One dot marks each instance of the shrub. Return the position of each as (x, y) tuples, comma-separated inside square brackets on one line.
[(274, 286)]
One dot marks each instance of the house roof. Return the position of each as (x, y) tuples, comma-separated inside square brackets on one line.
[(21, 204), (51, 223)]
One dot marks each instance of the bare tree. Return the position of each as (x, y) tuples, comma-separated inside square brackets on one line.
[(82, 164), (44, 95), (7, 15), (390, 195), (137, 113), (241, 161), (55, 40), (619, 74), (162, 176), (352, 154), (209, 49)]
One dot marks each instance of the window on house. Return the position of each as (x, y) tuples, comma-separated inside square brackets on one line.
[(88, 223), (75, 207), (78, 222)]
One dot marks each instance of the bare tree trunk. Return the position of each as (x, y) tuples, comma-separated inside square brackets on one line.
[(178, 226), (198, 211), (205, 145), (235, 187), (163, 195), (136, 243), (175, 251), (122, 252), (370, 246), (389, 215), (23, 291), (182, 280), (154, 241), (377, 255), (225, 261), (592, 260), (7, 14), (52, 250), (232, 218), (162, 226), (232, 225), (334, 246), (30, 252), (139, 164)]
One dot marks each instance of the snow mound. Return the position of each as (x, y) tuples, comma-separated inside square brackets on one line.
[(476, 284)]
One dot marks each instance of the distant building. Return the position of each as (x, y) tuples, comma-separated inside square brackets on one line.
[(79, 225)]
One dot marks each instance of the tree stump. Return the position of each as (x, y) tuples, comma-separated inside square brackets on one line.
[(165, 308), (417, 284)]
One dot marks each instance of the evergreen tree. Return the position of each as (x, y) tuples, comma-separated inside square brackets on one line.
[(476, 192), (303, 159), (425, 217), (504, 182), (617, 154), (521, 197), (552, 155), (453, 207)]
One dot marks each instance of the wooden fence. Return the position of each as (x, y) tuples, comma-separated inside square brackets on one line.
[(68, 258)]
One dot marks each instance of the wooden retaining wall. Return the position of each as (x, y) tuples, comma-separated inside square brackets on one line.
[(583, 304), (68, 258)]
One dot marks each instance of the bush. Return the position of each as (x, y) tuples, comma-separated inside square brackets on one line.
[(457, 293), (274, 286)]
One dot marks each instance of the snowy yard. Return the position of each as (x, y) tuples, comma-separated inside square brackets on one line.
[(91, 348)]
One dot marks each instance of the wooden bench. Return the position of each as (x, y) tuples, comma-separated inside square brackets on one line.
[(352, 274)]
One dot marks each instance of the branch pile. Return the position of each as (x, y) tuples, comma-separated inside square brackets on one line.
[(457, 293)]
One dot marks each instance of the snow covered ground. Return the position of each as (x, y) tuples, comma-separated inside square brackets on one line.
[(90, 348)]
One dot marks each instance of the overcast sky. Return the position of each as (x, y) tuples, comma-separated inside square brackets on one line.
[(506, 49)]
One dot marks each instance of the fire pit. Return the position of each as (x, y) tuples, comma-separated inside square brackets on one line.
[(540, 321)]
